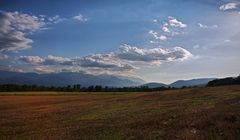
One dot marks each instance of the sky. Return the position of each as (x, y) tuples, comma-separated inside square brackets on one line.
[(156, 40)]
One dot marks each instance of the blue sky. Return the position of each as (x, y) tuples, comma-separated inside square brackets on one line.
[(155, 40)]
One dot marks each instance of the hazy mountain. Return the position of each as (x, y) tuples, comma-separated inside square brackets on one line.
[(67, 78), (155, 85), (181, 83), (192, 82)]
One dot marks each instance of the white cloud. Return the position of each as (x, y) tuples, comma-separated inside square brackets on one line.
[(202, 26), (100, 61), (32, 59), (207, 26), (176, 23), (155, 20), (14, 26), (121, 61), (21, 21), (153, 55), (80, 17), (108, 61), (49, 60), (163, 37), (55, 60), (228, 6), (169, 29), (156, 36), (154, 42), (56, 19), (14, 41), (105, 61), (165, 29), (43, 69)]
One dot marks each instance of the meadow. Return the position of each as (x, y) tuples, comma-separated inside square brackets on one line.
[(209, 113)]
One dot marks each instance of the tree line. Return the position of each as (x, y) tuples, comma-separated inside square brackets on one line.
[(98, 88), (225, 81), (78, 88)]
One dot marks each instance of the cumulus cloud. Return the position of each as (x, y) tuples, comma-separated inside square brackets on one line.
[(80, 17), (108, 61), (43, 69), (14, 41), (49, 60), (21, 21), (32, 59), (176, 23), (100, 61), (169, 28), (154, 55), (156, 36), (14, 26), (228, 6), (120, 61), (56, 60)]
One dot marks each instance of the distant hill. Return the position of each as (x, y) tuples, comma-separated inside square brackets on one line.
[(225, 81), (155, 85), (181, 83), (67, 78), (192, 82), (70, 78)]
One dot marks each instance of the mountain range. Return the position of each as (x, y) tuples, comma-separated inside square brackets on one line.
[(67, 78), (70, 78), (181, 83)]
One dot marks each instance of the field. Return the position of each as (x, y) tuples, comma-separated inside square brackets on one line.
[(211, 113)]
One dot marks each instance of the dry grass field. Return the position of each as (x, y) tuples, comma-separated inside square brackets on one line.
[(211, 113)]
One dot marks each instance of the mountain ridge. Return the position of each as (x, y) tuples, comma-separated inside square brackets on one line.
[(191, 82), (155, 85), (70, 78), (181, 83), (67, 78)]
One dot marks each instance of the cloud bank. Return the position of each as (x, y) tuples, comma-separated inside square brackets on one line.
[(121, 61)]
